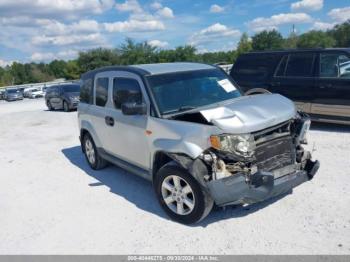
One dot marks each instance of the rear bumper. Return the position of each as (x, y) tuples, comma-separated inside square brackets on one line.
[(235, 189)]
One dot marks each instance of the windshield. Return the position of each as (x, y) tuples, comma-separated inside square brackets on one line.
[(176, 92), (71, 88), (12, 91)]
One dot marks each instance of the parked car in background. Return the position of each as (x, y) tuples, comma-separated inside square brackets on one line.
[(65, 96), (187, 128), (13, 94), (35, 93), (317, 80), (2, 94)]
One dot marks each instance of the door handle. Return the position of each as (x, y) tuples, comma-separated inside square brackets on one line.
[(109, 120)]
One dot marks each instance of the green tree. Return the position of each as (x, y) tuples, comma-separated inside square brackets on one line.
[(291, 41), (267, 40), (72, 70), (244, 45), (58, 68), (314, 39), (96, 58), (341, 34), (136, 53)]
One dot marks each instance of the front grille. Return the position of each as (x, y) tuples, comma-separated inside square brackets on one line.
[(275, 154)]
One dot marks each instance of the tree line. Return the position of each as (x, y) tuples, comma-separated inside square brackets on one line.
[(131, 52)]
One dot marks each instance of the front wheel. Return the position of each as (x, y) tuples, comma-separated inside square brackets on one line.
[(65, 106), (180, 195)]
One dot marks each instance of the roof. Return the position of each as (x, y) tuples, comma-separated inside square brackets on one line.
[(152, 69), (298, 50), (163, 68)]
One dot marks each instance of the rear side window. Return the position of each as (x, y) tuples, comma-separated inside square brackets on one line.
[(86, 91), (255, 66), (102, 91), (126, 90), (300, 64)]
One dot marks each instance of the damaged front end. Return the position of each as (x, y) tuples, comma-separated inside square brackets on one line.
[(245, 169)]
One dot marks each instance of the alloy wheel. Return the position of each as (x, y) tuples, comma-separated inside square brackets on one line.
[(178, 195)]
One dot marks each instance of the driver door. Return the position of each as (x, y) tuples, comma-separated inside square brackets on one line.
[(127, 137)]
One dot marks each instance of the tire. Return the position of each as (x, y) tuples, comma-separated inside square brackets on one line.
[(65, 106), (49, 106), (92, 156), (257, 91), (195, 202)]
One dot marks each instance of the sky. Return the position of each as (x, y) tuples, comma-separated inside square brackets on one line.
[(43, 30)]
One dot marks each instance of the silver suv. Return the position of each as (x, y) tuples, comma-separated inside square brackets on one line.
[(187, 128)]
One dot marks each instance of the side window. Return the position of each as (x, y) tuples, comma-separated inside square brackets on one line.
[(282, 66), (334, 65), (86, 91), (102, 91), (300, 65), (126, 90)]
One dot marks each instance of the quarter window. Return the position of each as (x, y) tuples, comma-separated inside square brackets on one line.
[(334, 65), (126, 90), (101, 91), (300, 65), (86, 91)]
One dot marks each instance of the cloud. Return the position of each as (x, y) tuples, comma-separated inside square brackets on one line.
[(213, 33), (322, 26), (158, 43), (340, 14), (262, 23), (134, 26), (56, 8), (165, 12), (94, 39), (129, 6), (44, 57), (156, 5), (216, 9), (4, 63), (307, 5)]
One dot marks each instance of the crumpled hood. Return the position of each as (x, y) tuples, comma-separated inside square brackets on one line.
[(251, 113)]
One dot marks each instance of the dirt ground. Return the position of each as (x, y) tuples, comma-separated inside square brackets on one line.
[(51, 202)]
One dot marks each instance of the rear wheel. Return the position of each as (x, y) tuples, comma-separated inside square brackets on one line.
[(180, 195), (92, 156)]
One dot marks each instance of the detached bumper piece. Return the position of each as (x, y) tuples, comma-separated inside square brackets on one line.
[(262, 186)]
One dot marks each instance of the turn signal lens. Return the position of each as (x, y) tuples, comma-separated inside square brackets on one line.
[(215, 142)]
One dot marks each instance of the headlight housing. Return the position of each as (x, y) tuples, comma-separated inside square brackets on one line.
[(241, 145), (302, 138)]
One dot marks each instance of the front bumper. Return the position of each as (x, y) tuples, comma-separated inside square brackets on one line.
[(235, 189)]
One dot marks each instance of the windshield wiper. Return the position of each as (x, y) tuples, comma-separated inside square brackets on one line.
[(180, 109)]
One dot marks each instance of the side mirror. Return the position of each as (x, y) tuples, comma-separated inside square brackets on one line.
[(134, 109)]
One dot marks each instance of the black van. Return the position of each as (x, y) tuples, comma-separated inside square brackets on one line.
[(318, 80)]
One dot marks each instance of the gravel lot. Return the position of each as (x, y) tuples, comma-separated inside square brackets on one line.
[(51, 202)]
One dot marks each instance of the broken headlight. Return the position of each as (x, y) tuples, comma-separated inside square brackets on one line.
[(302, 138), (242, 145)]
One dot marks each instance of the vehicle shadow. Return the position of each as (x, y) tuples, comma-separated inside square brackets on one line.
[(329, 127), (140, 192)]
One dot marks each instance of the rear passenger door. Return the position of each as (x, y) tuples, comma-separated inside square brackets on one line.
[(295, 79), (99, 107), (127, 138), (332, 97)]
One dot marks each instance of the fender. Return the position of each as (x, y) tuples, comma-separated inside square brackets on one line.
[(85, 125)]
